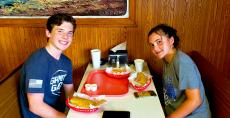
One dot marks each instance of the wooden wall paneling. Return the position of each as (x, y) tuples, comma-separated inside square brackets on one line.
[(226, 18), (215, 40), (210, 27), (2, 48), (133, 35), (17, 44), (214, 35), (187, 18), (226, 35), (6, 47), (202, 26), (131, 43), (218, 40), (205, 33), (222, 41), (187, 21)]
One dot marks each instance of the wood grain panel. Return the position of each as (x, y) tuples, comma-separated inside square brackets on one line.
[(16, 44), (9, 105), (200, 25), (203, 25)]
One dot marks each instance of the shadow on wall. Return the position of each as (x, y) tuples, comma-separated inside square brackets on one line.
[(78, 75), (157, 79)]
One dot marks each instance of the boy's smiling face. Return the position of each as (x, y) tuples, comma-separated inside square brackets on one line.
[(61, 36)]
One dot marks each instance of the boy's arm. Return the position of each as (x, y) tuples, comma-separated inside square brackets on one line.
[(69, 90), (192, 101), (40, 108)]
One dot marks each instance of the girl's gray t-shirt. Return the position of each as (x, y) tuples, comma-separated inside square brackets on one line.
[(181, 74)]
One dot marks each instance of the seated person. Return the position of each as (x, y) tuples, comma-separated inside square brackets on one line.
[(47, 70), (184, 94)]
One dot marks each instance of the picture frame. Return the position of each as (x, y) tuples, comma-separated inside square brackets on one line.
[(106, 20)]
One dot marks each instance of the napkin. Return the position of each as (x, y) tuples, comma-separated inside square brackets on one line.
[(121, 46)]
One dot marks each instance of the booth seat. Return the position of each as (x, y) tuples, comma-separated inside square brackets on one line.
[(9, 95), (217, 86)]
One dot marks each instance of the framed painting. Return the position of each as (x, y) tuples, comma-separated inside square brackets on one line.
[(34, 13)]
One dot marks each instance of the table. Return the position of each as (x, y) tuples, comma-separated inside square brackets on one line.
[(147, 107)]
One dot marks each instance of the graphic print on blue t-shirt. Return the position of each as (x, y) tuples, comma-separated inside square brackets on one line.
[(57, 81), (170, 89)]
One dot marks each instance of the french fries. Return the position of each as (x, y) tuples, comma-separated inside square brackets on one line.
[(118, 70), (141, 79)]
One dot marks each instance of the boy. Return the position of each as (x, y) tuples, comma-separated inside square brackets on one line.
[(47, 70)]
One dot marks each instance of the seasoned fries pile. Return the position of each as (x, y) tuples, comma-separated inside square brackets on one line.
[(141, 79)]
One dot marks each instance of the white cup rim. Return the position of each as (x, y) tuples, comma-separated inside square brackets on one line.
[(95, 50), (138, 60)]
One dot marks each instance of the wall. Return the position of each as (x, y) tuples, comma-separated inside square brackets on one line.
[(203, 25)]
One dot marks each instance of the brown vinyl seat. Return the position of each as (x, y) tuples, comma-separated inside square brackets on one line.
[(217, 86)]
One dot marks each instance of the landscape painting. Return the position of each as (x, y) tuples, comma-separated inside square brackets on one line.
[(77, 8)]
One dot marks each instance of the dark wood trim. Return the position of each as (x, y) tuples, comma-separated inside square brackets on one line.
[(10, 74)]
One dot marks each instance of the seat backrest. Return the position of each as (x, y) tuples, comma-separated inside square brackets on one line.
[(9, 105), (217, 86)]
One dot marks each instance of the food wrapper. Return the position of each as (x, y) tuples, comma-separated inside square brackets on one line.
[(83, 102), (121, 46)]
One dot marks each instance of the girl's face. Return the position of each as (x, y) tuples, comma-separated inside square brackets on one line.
[(61, 36), (161, 45)]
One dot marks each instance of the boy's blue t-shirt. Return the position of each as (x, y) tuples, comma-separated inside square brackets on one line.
[(42, 73)]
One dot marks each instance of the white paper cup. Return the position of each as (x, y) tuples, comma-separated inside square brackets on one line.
[(139, 64), (96, 58)]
